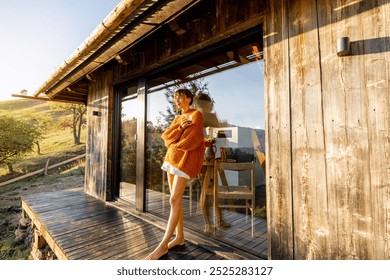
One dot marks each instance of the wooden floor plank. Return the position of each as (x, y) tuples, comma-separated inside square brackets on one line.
[(101, 220), (67, 227), (83, 227), (239, 235), (86, 228), (92, 237)]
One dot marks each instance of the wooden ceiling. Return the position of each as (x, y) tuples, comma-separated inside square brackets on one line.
[(218, 60)]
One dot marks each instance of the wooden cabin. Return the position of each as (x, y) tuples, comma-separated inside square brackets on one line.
[(310, 78)]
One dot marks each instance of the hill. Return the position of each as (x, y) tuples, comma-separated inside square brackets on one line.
[(21, 105), (25, 107), (57, 143)]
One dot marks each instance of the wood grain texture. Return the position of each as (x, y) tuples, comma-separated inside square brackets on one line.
[(311, 230), (78, 226), (356, 91), (278, 139), (340, 123), (96, 167)]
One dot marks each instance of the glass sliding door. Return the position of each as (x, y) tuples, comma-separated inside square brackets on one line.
[(231, 98), (128, 146)]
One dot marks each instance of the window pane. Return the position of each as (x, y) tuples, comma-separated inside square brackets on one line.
[(234, 118), (128, 148)]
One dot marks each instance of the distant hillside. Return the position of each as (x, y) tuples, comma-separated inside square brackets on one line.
[(21, 107), (22, 104)]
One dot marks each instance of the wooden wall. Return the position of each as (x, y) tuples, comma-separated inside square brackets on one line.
[(99, 136), (328, 129)]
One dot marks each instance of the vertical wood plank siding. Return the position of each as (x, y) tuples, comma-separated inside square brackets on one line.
[(278, 145), (98, 135), (310, 217), (357, 101), (378, 93), (340, 129)]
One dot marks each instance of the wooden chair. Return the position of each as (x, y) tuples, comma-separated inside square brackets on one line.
[(231, 194)]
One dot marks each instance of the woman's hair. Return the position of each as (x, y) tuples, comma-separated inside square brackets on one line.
[(184, 92)]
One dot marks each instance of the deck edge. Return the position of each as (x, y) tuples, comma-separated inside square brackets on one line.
[(60, 254)]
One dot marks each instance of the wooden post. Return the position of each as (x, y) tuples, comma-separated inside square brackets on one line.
[(46, 166)]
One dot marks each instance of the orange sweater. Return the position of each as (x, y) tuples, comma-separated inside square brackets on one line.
[(185, 146)]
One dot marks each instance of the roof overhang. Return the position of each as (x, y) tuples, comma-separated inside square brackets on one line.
[(127, 24)]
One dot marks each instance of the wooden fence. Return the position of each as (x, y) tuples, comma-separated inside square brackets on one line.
[(43, 170)]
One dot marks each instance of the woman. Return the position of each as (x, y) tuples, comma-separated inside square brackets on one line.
[(183, 160)]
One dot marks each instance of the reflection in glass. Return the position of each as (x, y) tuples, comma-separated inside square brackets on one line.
[(232, 103), (128, 149)]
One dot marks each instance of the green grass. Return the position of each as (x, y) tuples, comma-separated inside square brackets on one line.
[(23, 104), (57, 143), (55, 146), (70, 169), (23, 108), (11, 251)]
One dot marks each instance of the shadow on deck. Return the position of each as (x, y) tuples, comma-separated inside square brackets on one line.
[(78, 226)]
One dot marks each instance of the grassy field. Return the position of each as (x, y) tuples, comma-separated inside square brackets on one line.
[(23, 107), (57, 143), (57, 147)]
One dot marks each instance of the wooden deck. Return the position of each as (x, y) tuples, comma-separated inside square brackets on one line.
[(77, 226), (238, 235)]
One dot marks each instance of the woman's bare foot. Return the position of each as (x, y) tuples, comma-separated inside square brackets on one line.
[(157, 253), (176, 242)]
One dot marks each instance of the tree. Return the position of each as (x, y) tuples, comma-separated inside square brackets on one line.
[(128, 150), (76, 119), (40, 122), (17, 137), (195, 86)]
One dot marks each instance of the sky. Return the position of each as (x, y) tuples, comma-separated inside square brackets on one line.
[(245, 87), (38, 36)]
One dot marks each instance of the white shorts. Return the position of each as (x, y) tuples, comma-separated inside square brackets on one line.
[(174, 170)]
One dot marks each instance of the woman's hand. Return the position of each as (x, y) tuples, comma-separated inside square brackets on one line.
[(185, 122)]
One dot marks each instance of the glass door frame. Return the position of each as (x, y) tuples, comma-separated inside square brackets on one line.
[(120, 93)]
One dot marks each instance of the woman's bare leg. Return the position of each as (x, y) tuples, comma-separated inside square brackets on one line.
[(178, 186), (179, 238)]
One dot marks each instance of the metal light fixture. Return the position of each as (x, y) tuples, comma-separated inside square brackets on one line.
[(120, 60), (90, 77), (175, 27), (343, 46)]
